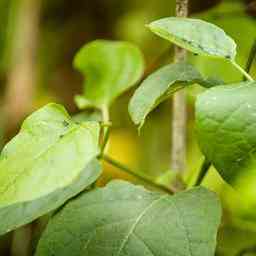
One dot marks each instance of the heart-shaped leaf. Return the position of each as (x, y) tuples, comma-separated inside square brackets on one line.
[(159, 86), (48, 162), (197, 36), (226, 128), (110, 68), (123, 219)]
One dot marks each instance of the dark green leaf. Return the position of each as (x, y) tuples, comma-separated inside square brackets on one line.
[(196, 35), (110, 67), (123, 219), (42, 166), (159, 86), (226, 125)]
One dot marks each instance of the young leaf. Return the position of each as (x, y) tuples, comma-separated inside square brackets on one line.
[(123, 219), (44, 164), (159, 86), (196, 35), (110, 67), (226, 125)]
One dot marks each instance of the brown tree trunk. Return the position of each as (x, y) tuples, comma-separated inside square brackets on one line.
[(21, 78), (178, 162), (20, 88)]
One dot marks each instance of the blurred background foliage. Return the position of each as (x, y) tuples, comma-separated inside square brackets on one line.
[(38, 40)]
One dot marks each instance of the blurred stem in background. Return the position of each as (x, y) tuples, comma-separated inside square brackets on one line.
[(21, 241), (21, 81), (178, 161), (251, 58), (21, 78)]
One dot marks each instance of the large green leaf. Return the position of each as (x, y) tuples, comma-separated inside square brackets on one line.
[(197, 36), (110, 68), (49, 161), (226, 128), (123, 219), (159, 86)]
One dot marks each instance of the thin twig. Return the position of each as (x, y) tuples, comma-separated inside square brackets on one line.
[(105, 129), (242, 71), (251, 58), (203, 171), (105, 140), (138, 175)]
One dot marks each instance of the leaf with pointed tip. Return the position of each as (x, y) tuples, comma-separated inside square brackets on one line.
[(197, 36), (123, 219), (47, 163), (110, 68), (159, 86), (226, 129)]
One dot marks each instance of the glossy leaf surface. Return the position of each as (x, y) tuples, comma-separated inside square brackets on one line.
[(226, 128)]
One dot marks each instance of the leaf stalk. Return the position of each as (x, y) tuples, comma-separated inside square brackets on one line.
[(241, 70), (137, 174)]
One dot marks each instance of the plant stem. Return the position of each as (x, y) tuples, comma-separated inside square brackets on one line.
[(203, 171), (178, 158), (105, 119), (251, 57), (141, 176), (248, 77)]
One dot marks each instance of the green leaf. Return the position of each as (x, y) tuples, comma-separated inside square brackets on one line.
[(226, 125), (87, 115), (196, 35), (159, 86), (123, 219), (48, 162), (110, 67)]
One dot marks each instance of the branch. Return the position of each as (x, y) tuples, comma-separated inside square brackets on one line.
[(178, 162)]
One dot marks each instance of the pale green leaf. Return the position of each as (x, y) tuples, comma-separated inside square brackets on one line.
[(122, 219), (42, 166), (110, 68), (197, 36), (159, 86), (87, 115), (226, 129)]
